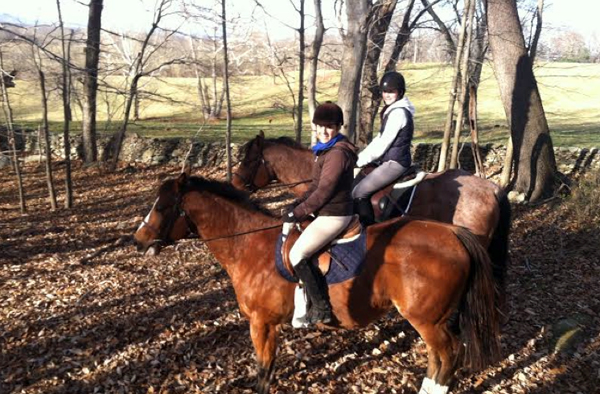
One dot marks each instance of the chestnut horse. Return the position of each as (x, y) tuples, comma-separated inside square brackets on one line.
[(452, 196), (436, 275)]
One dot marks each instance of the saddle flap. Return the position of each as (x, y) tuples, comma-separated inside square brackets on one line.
[(351, 232), (324, 259)]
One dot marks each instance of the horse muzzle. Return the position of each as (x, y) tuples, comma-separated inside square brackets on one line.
[(149, 249)]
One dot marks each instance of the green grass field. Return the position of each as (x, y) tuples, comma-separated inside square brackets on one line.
[(570, 93)]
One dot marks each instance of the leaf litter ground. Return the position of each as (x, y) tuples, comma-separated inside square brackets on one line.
[(82, 312)]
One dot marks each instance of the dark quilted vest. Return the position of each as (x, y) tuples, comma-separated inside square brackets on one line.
[(399, 151)]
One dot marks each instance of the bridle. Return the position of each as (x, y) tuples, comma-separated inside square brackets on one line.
[(256, 164), (190, 225), (271, 176), (162, 233)]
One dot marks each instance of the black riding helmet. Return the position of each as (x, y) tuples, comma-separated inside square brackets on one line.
[(327, 114), (393, 80)]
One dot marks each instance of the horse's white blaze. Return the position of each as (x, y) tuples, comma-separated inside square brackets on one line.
[(145, 221)]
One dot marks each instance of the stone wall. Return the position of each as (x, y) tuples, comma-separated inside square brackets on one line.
[(136, 149)]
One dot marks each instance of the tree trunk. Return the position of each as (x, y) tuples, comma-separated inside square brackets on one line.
[(370, 95), (136, 105), (450, 44), (90, 82), (403, 35), (313, 68), (508, 160), (120, 136), (538, 30), (66, 114), (214, 112), (138, 67), (464, 81), (46, 134), (453, 92), (479, 169), (535, 165), (200, 88), (11, 135), (226, 89), (301, 57), (355, 43)]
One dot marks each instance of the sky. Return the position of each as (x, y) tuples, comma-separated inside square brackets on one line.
[(578, 15)]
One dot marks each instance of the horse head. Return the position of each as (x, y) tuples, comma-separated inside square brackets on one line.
[(252, 172), (166, 222)]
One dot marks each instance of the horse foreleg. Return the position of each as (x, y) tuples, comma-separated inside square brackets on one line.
[(264, 338)]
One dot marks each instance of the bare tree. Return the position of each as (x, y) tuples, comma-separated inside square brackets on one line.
[(355, 47), (453, 93), (464, 80), (36, 55), (92, 56), (226, 88), (313, 67), (444, 30), (301, 62), (66, 110), (8, 116), (534, 39), (142, 69), (382, 12), (479, 169), (535, 165)]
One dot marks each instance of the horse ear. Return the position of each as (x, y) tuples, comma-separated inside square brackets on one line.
[(183, 177), (260, 138), (187, 169)]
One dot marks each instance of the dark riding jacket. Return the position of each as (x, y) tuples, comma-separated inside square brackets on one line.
[(332, 176)]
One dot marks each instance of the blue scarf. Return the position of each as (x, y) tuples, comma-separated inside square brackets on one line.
[(320, 147)]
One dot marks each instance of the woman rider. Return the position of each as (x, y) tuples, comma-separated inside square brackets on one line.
[(329, 199), (390, 149)]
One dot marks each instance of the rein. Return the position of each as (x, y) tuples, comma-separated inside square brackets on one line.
[(256, 230), (181, 212), (249, 182), (279, 184)]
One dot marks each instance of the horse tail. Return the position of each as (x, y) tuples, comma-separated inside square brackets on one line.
[(498, 248), (479, 320)]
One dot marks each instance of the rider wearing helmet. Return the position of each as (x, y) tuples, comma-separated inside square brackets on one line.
[(390, 149), (329, 199)]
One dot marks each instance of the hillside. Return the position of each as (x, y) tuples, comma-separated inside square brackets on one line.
[(569, 92)]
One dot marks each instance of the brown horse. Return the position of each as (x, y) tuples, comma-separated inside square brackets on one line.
[(436, 275), (452, 196)]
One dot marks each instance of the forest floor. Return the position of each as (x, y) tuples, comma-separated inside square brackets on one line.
[(81, 311)]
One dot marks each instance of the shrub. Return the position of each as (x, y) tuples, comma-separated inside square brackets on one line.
[(584, 202)]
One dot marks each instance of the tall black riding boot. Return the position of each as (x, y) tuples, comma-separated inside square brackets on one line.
[(365, 211), (316, 291)]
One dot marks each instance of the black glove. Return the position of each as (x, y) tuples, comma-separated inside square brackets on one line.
[(289, 217)]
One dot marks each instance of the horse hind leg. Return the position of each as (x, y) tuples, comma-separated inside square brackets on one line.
[(442, 347), (264, 338)]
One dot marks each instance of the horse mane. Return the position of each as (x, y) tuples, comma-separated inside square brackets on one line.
[(225, 190), (287, 141)]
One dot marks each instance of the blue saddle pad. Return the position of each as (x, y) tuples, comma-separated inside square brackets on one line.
[(347, 260)]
